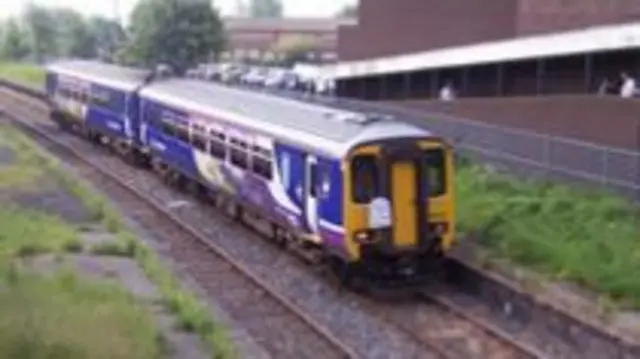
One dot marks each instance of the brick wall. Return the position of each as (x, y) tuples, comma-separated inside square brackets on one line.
[(393, 27), (388, 27), (608, 121), (539, 16)]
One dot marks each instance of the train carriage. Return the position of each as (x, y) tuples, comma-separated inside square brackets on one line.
[(99, 99), (373, 192)]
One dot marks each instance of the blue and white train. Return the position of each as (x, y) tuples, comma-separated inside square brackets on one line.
[(374, 194)]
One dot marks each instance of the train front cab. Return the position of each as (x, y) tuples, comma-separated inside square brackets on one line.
[(399, 206)]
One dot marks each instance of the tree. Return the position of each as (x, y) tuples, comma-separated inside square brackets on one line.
[(174, 32), (13, 44), (265, 9), (108, 35), (42, 32), (74, 36), (349, 11)]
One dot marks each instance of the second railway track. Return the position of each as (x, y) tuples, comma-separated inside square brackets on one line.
[(435, 326)]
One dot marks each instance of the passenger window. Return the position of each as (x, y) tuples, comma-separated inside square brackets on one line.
[(238, 153), (182, 132), (83, 97), (261, 162), (365, 179), (101, 99), (198, 137), (168, 128), (217, 145), (262, 167), (434, 173)]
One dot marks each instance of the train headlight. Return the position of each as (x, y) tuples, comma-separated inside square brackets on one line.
[(438, 229), (361, 237)]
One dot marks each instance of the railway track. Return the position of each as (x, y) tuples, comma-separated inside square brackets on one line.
[(480, 338), (278, 325), (434, 324)]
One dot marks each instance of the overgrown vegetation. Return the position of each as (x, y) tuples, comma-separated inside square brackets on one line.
[(26, 232), (58, 316), (24, 73), (62, 317), (23, 171), (568, 233), (192, 316)]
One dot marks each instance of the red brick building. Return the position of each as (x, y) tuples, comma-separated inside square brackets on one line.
[(494, 48), (404, 26), (255, 38)]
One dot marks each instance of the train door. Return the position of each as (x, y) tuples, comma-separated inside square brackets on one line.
[(406, 202), (292, 163), (311, 194)]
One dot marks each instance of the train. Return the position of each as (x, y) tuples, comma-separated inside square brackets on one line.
[(373, 195)]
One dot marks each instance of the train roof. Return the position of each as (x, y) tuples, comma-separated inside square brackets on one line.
[(117, 77), (328, 128)]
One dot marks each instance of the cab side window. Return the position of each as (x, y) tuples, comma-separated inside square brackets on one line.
[(365, 179), (434, 179)]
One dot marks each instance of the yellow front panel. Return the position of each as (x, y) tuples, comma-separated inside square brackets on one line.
[(403, 194), (356, 215), (441, 208)]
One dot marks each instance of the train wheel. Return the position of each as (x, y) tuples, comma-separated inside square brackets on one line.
[(238, 212), (141, 160), (279, 236)]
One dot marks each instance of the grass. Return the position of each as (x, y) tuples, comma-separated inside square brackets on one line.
[(192, 316), (26, 74), (32, 164), (25, 169), (62, 317), (568, 233), (26, 232)]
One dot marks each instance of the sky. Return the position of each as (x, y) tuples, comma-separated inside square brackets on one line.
[(107, 8)]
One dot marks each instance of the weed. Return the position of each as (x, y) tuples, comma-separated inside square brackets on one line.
[(64, 317), (112, 248), (587, 237), (73, 246), (28, 232), (24, 73)]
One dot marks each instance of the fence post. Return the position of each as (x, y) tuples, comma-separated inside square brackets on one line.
[(546, 154), (605, 166)]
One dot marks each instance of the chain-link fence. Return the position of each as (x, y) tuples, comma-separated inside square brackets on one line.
[(527, 153)]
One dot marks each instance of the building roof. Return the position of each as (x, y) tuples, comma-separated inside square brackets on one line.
[(589, 40), (122, 78), (327, 128), (285, 24)]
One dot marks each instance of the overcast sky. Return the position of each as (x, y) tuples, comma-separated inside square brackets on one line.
[(108, 7)]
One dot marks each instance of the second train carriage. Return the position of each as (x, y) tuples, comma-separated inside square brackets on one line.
[(376, 193)]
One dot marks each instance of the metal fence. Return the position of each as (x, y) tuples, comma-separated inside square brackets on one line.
[(528, 154)]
